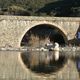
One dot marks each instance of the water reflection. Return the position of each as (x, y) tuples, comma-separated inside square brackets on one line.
[(37, 62), (10, 69)]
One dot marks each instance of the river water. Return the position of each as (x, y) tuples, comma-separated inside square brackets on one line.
[(12, 68)]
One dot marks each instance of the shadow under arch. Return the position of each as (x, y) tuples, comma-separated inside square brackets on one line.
[(37, 37), (51, 30)]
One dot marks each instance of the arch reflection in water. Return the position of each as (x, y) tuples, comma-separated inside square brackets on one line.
[(38, 37)]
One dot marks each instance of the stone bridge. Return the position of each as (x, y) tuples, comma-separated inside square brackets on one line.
[(12, 31), (13, 28)]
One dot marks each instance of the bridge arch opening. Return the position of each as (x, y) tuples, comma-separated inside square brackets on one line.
[(37, 37), (45, 31)]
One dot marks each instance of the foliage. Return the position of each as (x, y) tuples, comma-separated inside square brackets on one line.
[(40, 7)]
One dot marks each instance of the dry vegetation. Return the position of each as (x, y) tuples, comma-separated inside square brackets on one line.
[(40, 7)]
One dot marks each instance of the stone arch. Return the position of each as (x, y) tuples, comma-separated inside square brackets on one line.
[(45, 28), (64, 33)]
